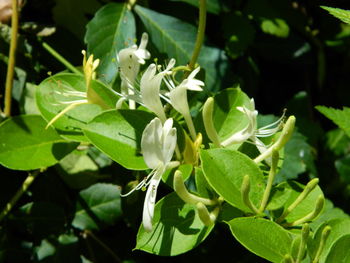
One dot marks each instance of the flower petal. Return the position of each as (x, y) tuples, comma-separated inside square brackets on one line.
[(151, 143), (150, 199)]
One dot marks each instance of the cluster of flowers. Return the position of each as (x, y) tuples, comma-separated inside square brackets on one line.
[(159, 138)]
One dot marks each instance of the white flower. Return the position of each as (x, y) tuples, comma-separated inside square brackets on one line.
[(150, 88), (251, 132), (129, 60), (158, 143), (178, 97)]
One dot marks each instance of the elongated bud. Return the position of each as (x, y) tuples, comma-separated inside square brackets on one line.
[(207, 114), (245, 189), (305, 232), (325, 234), (286, 134), (187, 197), (203, 214), (307, 190), (311, 216)]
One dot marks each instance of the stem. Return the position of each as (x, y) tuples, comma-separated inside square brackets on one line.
[(200, 33), (302, 247), (271, 178), (12, 59), (27, 182), (102, 244), (61, 59)]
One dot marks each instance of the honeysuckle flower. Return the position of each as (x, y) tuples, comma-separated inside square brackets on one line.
[(129, 60), (158, 143), (149, 94), (251, 132), (178, 97), (80, 97)]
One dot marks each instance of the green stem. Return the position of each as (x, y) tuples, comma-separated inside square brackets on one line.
[(27, 182), (200, 33), (61, 59), (102, 244), (271, 178), (12, 59)]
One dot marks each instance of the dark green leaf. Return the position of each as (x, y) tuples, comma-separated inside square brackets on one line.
[(165, 32), (98, 206), (111, 29)]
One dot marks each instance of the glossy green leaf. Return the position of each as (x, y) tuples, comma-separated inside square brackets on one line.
[(52, 92), (339, 228), (164, 33), (176, 228), (342, 14), (111, 29), (185, 169), (118, 134), (262, 237), (25, 144), (98, 206), (226, 117), (231, 166), (340, 252), (339, 117)]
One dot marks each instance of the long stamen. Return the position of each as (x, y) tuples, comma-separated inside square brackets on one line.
[(68, 108)]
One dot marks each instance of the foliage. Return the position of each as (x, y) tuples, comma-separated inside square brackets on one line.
[(217, 179)]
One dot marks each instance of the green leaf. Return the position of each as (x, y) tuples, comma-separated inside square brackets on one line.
[(230, 167), (277, 27), (176, 38), (185, 169), (176, 228), (298, 158), (338, 142), (329, 212), (117, 133), (25, 144), (339, 228), (340, 251), (73, 14), (262, 237), (339, 117), (343, 168), (78, 170), (213, 6), (226, 117), (98, 206), (112, 29), (51, 93), (342, 14)]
